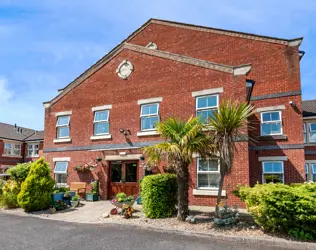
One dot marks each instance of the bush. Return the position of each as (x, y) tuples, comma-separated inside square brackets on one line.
[(278, 207), (159, 195), (2, 183), (8, 200), (37, 188), (227, 216), (19, 172)]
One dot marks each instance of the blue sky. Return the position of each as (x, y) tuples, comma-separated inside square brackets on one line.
[(45, 44)]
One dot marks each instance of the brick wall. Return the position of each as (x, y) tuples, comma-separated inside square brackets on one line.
[(275, 70)]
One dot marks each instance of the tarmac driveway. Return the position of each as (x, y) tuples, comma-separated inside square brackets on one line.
[(19, 232)]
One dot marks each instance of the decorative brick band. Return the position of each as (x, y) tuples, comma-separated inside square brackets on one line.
[(310, 152), (276, 95), (101, 147), (277, 147)]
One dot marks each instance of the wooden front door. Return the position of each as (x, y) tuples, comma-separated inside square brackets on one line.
[(124, 178)]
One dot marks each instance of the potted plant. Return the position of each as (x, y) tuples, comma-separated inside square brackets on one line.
[(121, 199), (75, 200), (93, 195), (58, 193)]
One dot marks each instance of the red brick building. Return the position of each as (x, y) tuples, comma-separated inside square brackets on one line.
[(169, 69), (18, 145)]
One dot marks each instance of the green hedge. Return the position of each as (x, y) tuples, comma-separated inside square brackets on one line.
[(159, 195), (278, 207), (37, 188)]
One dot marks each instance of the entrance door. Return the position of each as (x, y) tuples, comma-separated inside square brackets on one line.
[(124, 178)]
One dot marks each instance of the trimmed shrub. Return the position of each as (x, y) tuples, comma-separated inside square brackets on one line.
[(8, 200), (159, 194), (19, 172), (37, 188), (10, 191), (283, 208)]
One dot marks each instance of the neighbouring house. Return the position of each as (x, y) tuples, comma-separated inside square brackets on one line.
[(168, 69), (309, 131), (18, 145)]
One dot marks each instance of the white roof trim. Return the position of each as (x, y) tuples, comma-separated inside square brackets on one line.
[(296, 42), (63, 113), (273, 158), (271, 108), (105, 107), (207, 92), (61, 159), (242, 70), (151, 100)]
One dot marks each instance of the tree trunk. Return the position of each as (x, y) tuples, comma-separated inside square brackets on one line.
[(219, 194), (183, 193)]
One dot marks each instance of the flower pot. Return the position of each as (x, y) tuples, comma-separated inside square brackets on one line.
[(58, 196), (92, 197), (75, 203), (139, 200)]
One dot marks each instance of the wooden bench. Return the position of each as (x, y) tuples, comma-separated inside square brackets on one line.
[(78, 187)]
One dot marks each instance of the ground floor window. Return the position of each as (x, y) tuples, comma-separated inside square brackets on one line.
[(310, 171), (273, 172), (60, 172), (208, 175)]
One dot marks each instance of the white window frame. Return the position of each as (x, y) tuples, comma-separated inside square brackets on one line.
[(313, 170), (263, 173), (206, 108), (311, 131), (205, 172), (306, 171), (33, 145), (279, 121), (304, 133), (151, 115), (61, 173), (101, 121), (62, 126), (12, 149)]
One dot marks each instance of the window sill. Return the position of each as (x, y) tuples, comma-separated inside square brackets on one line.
[(310, 144), (147, 133), (60, 140), (12, 156), (32, 156), (208, 192), (62, 185), (100, 137), (272, 137)]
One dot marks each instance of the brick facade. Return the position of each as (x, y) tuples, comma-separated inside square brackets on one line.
[(275, 70)]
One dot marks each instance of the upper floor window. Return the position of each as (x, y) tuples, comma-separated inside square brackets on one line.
[(149, 116), (271, 123), (12, 149), (61, 173), (62, 125), (208, 175), (272, 172), (312, 132), (32, 149), (101, 122), (304, 133), (206, 106)]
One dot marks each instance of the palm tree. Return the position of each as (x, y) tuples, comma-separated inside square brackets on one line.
[(228, 126), (183, 139)]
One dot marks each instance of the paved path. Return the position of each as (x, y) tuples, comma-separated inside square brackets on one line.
[(17, 232)]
